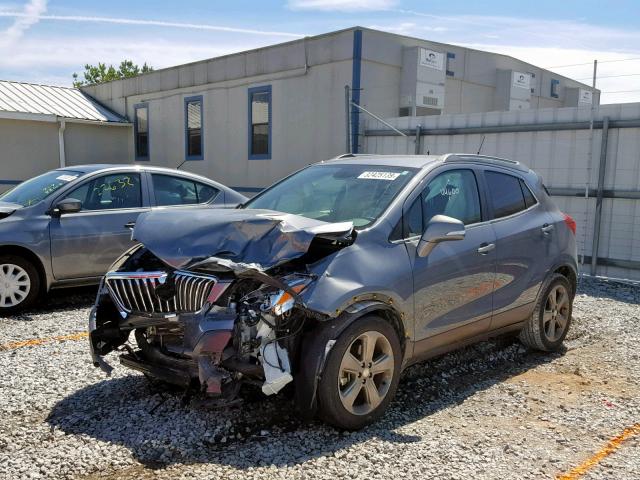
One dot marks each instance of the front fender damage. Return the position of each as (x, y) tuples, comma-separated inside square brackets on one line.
[(249, 330)]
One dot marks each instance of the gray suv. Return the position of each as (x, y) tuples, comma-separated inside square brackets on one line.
[(66, 227), (332, 281)]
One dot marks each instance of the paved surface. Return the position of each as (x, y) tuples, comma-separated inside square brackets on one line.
[(495, 410)]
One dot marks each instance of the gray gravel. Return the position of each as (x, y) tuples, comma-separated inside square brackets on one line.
[(495, 410)]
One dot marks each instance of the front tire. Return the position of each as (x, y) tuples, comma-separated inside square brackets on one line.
[(361, 374), (19, 284), (548, 325)]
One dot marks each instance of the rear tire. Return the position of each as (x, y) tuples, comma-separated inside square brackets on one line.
[(550, 321), (19, 284), (361, 374)]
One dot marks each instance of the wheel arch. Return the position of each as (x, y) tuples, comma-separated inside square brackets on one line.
[(570, 273), (32, 257), (317, 344)]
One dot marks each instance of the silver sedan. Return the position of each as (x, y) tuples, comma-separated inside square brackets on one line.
[(65, 227)]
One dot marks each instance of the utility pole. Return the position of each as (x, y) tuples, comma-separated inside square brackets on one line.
[(590, 160), (347, 105)]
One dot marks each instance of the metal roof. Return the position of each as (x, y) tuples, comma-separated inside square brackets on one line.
[(64, 102)]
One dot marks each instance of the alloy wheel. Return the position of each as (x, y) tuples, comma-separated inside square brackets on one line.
[(555, 316), (366, 372), (15, 285)]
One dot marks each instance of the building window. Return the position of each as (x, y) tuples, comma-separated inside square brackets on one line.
[(141, 131), (554, 88), (193, 121), (450, 56), (260, 123)]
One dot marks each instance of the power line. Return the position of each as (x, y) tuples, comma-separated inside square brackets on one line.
[(599, 61), (620, 91), (611, 76)]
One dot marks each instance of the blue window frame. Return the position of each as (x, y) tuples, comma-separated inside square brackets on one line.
[(260, 123), (554, 88), (450, 56), (194, 128), (141, 131)]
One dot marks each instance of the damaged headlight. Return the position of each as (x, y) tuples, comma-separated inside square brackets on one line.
[(283, 301), (266, 318)]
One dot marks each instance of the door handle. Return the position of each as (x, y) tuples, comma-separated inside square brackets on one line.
[(547, 229), (486, 248), (130, 225)]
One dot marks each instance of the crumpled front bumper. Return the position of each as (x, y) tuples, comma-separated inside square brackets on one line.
[(205, 338), (98, 360)]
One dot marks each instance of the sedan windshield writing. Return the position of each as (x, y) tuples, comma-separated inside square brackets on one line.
[(33, 191), (337, 193)]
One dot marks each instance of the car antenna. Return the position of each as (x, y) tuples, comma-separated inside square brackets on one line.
[(481, 144), (178, 167)]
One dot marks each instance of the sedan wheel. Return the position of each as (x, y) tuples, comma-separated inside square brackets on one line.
[(365, 373), (15, 285)]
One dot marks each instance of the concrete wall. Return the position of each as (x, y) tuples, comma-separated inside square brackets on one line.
[(86, 143), (27, 149), (565, 159), (308, 119), (303, 129)]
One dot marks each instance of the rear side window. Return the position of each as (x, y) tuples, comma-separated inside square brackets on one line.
[(506, 194), (529, 199), (171, 190)]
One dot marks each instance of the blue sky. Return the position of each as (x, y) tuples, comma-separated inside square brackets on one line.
[(45, 41)]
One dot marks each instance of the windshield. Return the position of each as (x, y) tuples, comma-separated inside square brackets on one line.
[(38, 188), (336, 193)]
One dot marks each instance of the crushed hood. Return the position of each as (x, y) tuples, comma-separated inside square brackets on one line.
[(262, 237)]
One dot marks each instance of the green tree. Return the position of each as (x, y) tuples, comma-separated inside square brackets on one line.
[(101, 73)]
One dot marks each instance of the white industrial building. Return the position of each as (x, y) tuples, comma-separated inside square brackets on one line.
[(250, 118), (44, 127)]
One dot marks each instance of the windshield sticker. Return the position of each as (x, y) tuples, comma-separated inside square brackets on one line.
[(379, 175), (67, 178)]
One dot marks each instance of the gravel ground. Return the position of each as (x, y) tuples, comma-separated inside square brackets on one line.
[(495, 410)]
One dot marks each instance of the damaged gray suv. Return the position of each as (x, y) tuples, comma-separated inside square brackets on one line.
[(331, 282)]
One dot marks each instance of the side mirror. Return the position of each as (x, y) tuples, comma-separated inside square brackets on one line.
[(440, 229), (68, 205)]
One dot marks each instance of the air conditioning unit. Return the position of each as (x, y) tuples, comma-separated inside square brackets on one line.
[(513, 90), (579, 97), (422, 82)]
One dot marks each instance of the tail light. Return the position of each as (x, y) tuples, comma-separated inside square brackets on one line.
[(571, 223)]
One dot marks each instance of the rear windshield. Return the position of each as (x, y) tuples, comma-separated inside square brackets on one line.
[(336, 192), (38, 188)]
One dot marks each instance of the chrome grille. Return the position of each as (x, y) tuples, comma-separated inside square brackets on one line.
[(135, 292)]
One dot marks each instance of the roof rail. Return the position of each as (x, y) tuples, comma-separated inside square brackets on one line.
[(486, 159)]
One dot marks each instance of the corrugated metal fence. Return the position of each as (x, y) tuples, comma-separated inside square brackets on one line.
[(593, 174)]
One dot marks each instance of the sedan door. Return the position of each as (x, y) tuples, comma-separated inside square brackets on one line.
[(453, 284), (86, 243)]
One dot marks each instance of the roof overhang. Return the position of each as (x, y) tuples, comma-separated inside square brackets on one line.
[(42, 117)]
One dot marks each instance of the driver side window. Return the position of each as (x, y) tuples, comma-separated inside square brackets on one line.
[(453, 193), (116, 191)]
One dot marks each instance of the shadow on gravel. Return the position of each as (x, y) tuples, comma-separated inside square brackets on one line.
[(58, 301), (160, 430)]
